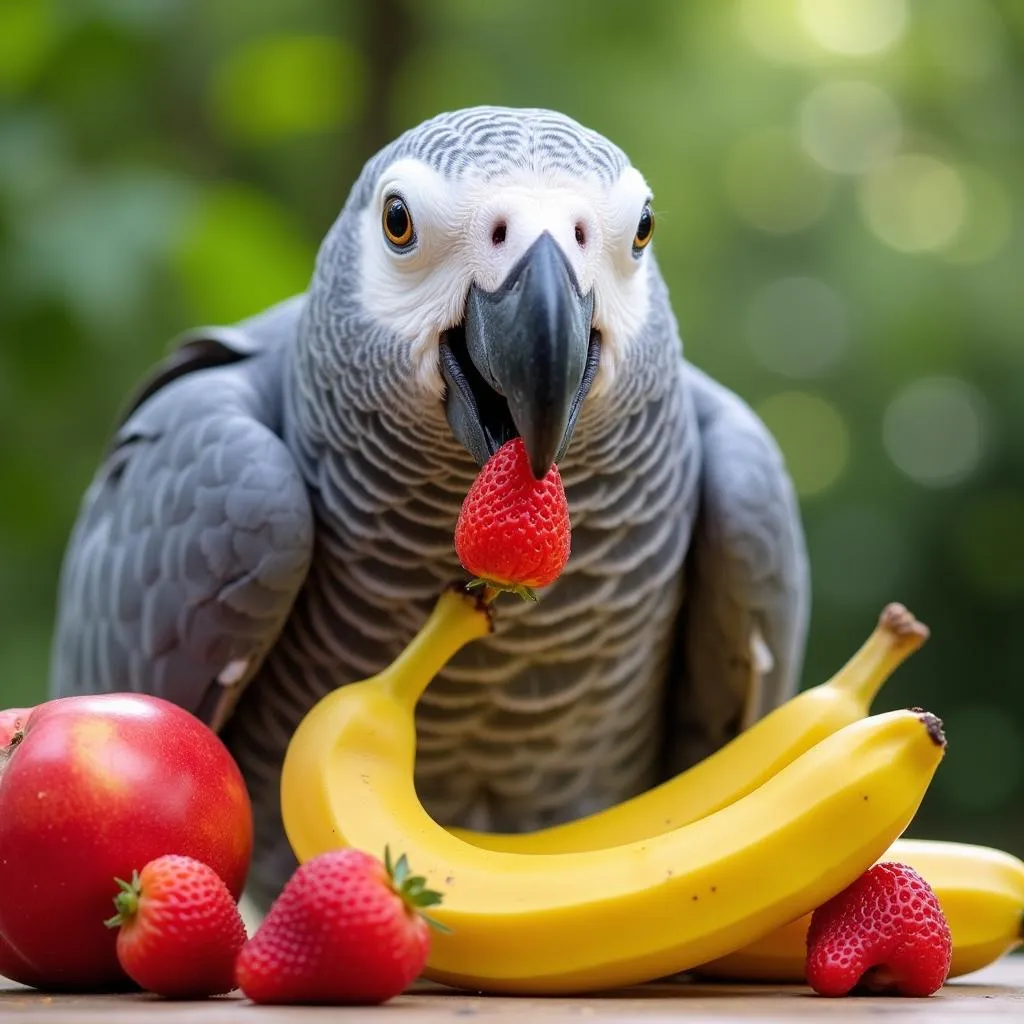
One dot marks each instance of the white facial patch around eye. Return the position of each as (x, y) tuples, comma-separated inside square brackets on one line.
[(475, 230), (622, 291), (421, 292)]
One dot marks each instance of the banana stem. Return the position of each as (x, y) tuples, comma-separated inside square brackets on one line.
[(457, 618), (897, 635)]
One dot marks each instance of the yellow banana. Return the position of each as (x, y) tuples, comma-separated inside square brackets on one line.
[(980, 890), (573, 922), (741, 765)]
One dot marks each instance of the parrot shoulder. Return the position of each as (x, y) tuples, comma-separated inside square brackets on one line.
[(741, 637), (195, 534)]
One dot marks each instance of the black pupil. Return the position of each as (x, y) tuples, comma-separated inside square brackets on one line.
[(397, 219), (644, 228)]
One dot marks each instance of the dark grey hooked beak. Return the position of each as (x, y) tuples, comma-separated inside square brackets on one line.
[(524, 361)]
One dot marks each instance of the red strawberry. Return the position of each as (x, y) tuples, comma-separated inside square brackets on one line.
[(180, 929), (513, 531), (884, 933), (344, 929)]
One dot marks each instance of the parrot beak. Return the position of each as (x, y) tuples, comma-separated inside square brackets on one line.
[(524, 361)]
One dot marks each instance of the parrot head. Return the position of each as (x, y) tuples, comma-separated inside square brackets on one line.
[(501, 258)]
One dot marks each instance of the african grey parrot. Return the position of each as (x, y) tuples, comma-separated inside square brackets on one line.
[(274, 516)]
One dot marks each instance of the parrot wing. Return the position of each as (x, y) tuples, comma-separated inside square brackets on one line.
[(196, 533), (740, 645)]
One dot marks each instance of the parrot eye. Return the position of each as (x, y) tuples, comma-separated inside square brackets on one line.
[(644, 230), (397, 223)]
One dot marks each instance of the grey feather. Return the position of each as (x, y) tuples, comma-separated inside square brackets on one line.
[(748, 581), (193, 538)]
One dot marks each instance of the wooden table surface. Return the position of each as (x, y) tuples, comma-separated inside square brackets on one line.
[(996, 992)]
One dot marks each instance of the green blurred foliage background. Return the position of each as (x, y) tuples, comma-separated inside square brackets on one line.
[(839, 201)]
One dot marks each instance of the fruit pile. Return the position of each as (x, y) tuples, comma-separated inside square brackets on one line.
[(92, 789), (774, 853), (126, 819), (777, 858)]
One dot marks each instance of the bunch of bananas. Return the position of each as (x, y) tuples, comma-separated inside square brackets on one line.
[(715, 870)]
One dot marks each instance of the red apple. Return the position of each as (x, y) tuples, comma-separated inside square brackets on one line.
[(91, 788), (12, 966)]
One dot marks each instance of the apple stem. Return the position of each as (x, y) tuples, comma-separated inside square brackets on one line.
[(12, 743)]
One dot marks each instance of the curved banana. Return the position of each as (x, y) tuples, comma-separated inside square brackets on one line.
[(744, 763), (573, 922), (980, 890)]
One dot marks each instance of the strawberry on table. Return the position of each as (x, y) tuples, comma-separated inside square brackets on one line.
[(513, 530), (345, 929), (884, 933), (180, 929)]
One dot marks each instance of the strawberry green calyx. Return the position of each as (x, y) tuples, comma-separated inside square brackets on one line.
[(494, 587), (412, 889), (126, 901)]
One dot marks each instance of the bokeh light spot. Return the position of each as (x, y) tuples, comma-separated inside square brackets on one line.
[(860, 555), (850, 127), (914, 203), (813, 437), (935, 431), (854, 27), (990, 543), (798, 326), (119, 228), (278, 87), (774, 30), (28, 34), (240, 252), (984, 770), (988, 227), (773, 185)]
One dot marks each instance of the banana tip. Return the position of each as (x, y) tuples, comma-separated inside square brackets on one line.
[(899, 620), (933, 724), (477, 596)]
